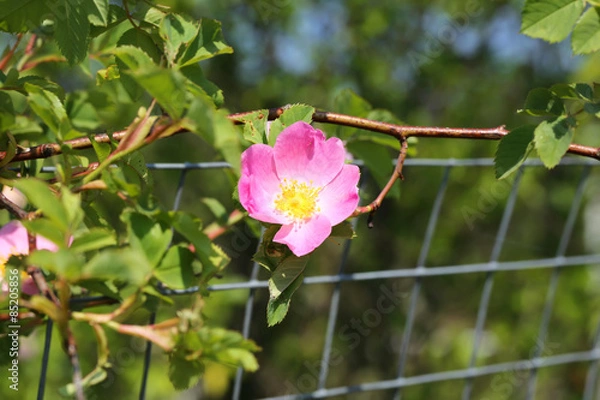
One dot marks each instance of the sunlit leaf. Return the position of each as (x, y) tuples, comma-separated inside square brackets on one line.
[(552, 140), (551, 20), (513, 150), (586, 35)]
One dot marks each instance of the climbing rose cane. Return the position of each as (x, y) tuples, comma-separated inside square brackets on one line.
[(302, 184), (14, 241)]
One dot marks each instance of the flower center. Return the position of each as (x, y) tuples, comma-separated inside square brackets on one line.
[(297, 200), (3, 262)]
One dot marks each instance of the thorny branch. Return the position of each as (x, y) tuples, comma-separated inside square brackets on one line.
[(398, 131)]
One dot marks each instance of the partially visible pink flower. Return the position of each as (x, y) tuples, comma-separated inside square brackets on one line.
[(302, 184), (14, 241)]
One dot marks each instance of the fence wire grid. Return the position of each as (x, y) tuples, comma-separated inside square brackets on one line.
[(399, 362)]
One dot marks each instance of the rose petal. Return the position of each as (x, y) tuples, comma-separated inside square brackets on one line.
[(339, 199), (13, 240), (304, 238), (302, 153), (259, 184)]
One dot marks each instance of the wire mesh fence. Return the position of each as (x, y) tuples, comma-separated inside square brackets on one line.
[(502, 375)]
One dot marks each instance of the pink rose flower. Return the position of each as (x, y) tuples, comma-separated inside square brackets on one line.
[(14, 241), (302, 184)]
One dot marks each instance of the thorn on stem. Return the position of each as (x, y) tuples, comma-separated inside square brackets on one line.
[(370, 224)]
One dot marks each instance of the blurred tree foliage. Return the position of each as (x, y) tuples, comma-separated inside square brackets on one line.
[(458, 63)]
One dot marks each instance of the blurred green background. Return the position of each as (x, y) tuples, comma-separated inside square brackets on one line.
[(459, 63)]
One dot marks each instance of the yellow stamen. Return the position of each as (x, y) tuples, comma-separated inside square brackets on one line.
[(297, 200), (3, 269)]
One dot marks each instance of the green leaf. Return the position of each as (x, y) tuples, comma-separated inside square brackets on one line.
[(217, 209), (118, 264), (183, 372), (584, 91), (592, 108), (23, 15), (215, 128), (147, 236), (513, 150), (552, 140), (343, 230), (542, 102), (71, 30), (166, 86), (293, 113), (277, 308), (48, 229), (213, 259), (63, 263), (7, 112), (255, 125), (94, 239), (285, 274), (135, 50), (98, 11), (349, 103), (551, 20), (586, 35), (175, 269), (176, 31), (378, 161), (197, 82), (207, 43), (41, 196), (228, 347), (47, 106)]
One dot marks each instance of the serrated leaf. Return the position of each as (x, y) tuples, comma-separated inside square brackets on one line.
[(39, 194), (135, 49), (292, 114), (278, 308), (551, 20), (343, 230), (7, 112), (71, 30), (94, 239), (211, 256), (149, 237), (176, 31), (63, 263), (166, 86), (98, 11), (542, 102), (47, 106), (584, 91), (23, 15), (197, 82), (285, 274), (552, 140), (175, 269), (118, 264), (592, 108), (184, 373), (255, 126), (229, 348), (586, 35), (513, 150), (207, 43)]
